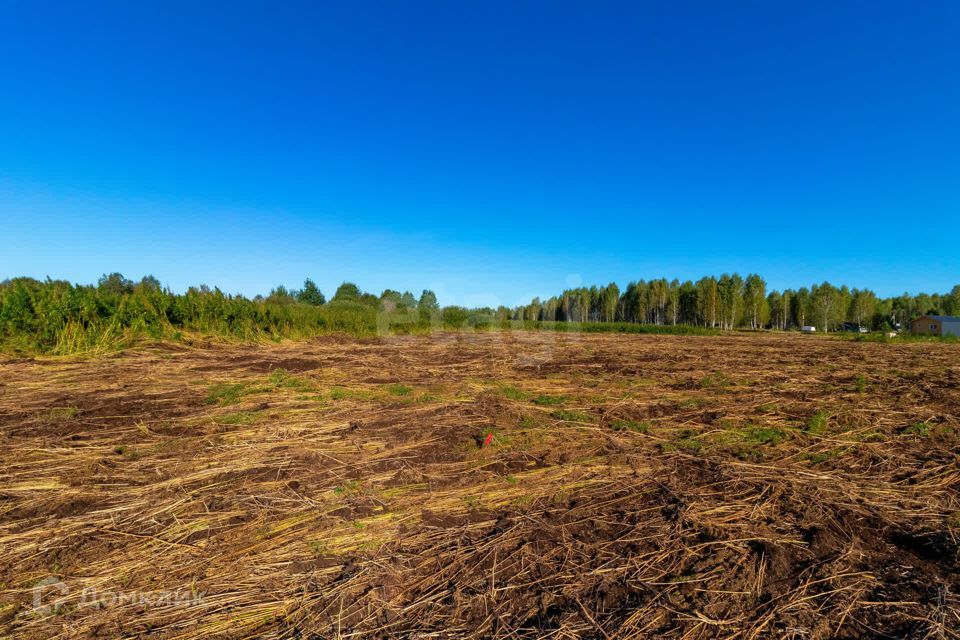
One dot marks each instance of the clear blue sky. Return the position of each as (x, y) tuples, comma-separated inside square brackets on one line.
[(491, 151)]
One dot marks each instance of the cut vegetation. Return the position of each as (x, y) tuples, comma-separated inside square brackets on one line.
[(486, 485)]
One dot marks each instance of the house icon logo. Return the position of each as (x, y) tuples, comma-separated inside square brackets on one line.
[(47, 593)]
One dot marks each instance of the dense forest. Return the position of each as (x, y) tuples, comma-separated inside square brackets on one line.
[(731, 302), (55, 316)]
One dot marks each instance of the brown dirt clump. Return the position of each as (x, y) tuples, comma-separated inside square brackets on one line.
[(743, 486)]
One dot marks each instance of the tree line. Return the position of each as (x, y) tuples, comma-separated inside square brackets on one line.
[(732, 301), (56, 316)]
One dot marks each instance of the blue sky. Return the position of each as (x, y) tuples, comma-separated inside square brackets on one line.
[(490, 151)]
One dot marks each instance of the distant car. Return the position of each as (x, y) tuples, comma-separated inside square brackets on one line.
[(853, 327), (808, 329)]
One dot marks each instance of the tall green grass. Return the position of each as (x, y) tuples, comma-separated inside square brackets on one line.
[(60, 318)]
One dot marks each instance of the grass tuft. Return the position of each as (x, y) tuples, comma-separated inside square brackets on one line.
[(817, 423), (513, 393), (570, 416), (920, 429), (763, 435), (59, 414), (630, 425), (284, 379), (823, 456), (860, 383), (224, 393), (715, 380), (685, 441), (398, 389), (344, 393), (240, 417)]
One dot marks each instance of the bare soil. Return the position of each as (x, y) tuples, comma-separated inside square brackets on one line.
[(743, 486)]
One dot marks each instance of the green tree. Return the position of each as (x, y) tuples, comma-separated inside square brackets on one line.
[(951, 303), (611, 299), (280, 295), (779, 304), (863, 304), (535, 311), (673, 295), (659, 294), (707, 301), (688, 303), (390, 300), (311, 294), (730, 292), (428, 307), (755, 300), (347, 292), (115, 284), (825, 302), (428, 301), (149, 283), (630, 304), (800, 307)]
